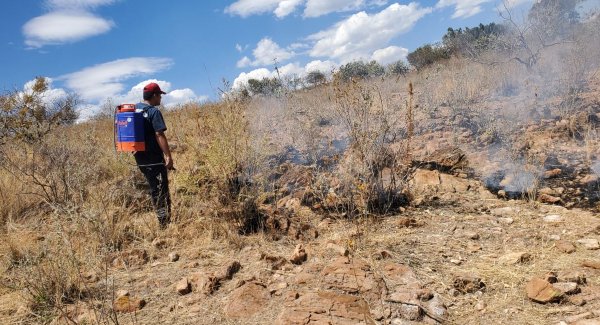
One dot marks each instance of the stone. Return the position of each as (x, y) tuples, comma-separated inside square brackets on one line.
[(299, 256), (568, 288), (553, 173), (173, 257), (247, 301), (480, 305), (575, 318), (550, 277), (542, 291), (121, 293), (591, 264), (595, 321), (506, 221), (227, 271), (183, 287), (573, 276), (577, 301), (127, 304), (131, 258), (589, 179), (472, 235), (410, 312), (514, 258), (503, 211), (589, 243), (468, 284), (325, 307), (553, 218), (565, 246), (343, 251), (546, 198)]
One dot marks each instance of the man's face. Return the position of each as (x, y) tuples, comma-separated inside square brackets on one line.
[(156, 99)]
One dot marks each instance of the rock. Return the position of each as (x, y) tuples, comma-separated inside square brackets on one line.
[(276, 288), (575, 318), (183, 287), (299, 256), (577, 301), (595, 321), (456, 261), (410, 312), (277, 262), (550, 277), (472, 235), (343, 251), (546, 198), (514, 258), (247, 300), (553, 173), (227, 272), (504, 211), (90, 277), (127, 304), (591, 264), (468, 284), (506, 221), (589, 243), (542, 291), (573, 276), (589, 179), (568, 288), (502, 194), (121, 293), (325, 224), (173, 257), (565, 246), (547, 191), (480, 305), (325, 307), (554, 237), (553, 218), (134, 257)]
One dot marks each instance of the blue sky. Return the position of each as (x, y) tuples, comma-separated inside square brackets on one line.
[(110, 48)]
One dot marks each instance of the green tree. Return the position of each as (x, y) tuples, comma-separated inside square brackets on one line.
[(426, 55), (360, 70), (398, 68)]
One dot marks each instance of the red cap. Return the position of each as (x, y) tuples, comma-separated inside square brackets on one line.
[(154, 88)]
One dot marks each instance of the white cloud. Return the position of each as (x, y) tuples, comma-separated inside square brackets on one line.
[(78, 3), (266, 52), (322, 66), (463, 8), (290, 69), (283, 8), (243, 78), (286, 7), (390, 54), (247, 8), (316, 8), (238, 47), (360, 34), (172, 98), (511, 4), (60, 27), (105, 80)]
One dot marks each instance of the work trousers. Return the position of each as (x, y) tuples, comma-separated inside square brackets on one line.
[(159, 191)]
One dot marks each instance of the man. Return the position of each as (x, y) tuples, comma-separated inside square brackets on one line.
[(155, 161)]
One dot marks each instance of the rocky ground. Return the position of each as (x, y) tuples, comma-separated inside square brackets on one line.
[(461, 255)]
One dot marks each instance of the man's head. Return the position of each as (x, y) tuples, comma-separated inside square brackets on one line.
[(153, 94)]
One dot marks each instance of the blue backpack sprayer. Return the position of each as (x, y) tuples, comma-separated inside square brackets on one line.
[(129, 133)]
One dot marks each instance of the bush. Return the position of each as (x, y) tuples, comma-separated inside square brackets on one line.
[(315, 78), (426, 55), (266, 86), (360, 70), (398, 68), (28, 116), (471, 42)]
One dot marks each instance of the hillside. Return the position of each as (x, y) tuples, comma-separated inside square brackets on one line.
[(464, 192)]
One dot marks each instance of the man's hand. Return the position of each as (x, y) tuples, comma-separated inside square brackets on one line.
[(169, 163)]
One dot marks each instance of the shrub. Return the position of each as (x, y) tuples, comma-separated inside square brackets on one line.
[(27, 115), (398, 68), (426, 55), (315, 78), (360, 70)]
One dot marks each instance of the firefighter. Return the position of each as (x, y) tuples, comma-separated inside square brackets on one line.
[(156, 159)]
